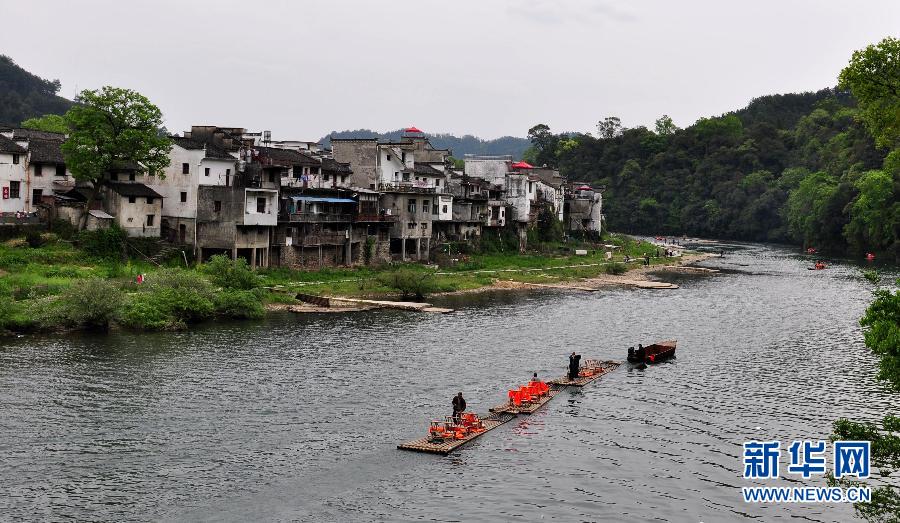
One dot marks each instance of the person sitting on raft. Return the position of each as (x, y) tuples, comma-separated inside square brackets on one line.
[(459, 406)]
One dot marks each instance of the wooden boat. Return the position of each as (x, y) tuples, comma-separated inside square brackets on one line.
[(652, 353)]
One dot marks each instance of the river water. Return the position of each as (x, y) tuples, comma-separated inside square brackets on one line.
[(298, 417)]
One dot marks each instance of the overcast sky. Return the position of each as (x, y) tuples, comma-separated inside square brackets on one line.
[(483, 67)]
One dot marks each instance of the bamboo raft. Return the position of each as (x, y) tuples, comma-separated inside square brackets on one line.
[(490, 422), (526, 409), (507, 412), (601, 368)]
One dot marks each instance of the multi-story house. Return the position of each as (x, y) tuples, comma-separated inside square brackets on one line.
[(411, 176), (12, 176), (584, 209)]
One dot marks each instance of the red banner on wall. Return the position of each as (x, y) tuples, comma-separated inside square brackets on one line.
[(6, 193)]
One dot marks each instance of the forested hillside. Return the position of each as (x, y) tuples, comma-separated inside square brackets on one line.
[(800, 168), (24, 95), (460, 145)]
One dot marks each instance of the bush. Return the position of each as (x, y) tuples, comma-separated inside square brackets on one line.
[(616, 268), (409, 282), (64, 229), (239, 304), (103, 243), (34, 239), (171, 299), (16, 243), (93, 304), (230, 274)]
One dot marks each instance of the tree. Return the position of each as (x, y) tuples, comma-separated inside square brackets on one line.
[(873, 76), (112, 128), (610, 127), (875, 215), (52, 123), (665, 126), (543, 146)]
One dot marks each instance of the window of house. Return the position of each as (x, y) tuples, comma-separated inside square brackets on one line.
[(425, 206), (403, 156), (343, 178), (388, 157), (227, 172), (260, 205), (289, 232), (437, 182), (131, 177), (444, 209), (185, 168), (132, 199), (297, 172), (150, 218), (327, 177), (60, 170), (114, 176), (183, 197), (217, 206), (434, 209), (38, 169), (272, 176), (396, 175), (14, 189), (411, 225), (15, 158), (405, 177), (149, 200), (424, 225), (411, 206), (206, 171), (36, 195)]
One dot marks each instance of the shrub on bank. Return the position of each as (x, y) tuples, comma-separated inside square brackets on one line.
[(230, 274), (89, 304), (103, 243), (170, 299), (409, 283), (616, 268), (237, 304)]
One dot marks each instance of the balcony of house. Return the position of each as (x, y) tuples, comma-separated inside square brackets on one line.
[(409, 187), (320, 238), (374, 218), (313, 217)]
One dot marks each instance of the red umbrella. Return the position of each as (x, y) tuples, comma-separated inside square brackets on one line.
[(584, 188), (410, 130), (522, 165)]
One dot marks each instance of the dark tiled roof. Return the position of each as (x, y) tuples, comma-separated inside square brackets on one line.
[(133, 189), (217, 153), (424, 168), (287, 157), (127, 166), (20, 133), (333, 166), (46, 151), (187, 143), (9, 146)]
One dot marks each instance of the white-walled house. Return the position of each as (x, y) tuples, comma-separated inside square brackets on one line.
[(135, 207), (47, 173), (13, 176), (192, 164)]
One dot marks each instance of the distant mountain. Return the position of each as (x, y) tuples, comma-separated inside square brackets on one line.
[(24, 95), (460, 145)]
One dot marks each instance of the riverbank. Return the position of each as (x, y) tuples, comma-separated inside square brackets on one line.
[(57, 286)]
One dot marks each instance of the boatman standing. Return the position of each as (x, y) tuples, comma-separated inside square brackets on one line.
[(459, 406), (574, 364)]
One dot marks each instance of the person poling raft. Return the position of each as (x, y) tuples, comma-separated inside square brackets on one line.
[(818, 266)]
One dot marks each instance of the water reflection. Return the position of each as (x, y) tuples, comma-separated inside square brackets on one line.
[(298, 417)]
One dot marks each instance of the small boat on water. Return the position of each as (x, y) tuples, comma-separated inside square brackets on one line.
[(652, 353)]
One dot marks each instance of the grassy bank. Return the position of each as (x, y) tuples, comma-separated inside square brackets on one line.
[(89, 282)]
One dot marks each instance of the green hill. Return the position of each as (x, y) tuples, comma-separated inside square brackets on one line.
[(24, 95)]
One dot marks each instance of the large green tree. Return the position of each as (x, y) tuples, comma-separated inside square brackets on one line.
[(873, 76), (111, 128)]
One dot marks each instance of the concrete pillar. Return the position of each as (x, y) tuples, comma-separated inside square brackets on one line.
[(234, 253), (253, 258), (418, 248), (403, 249), (320, 255)]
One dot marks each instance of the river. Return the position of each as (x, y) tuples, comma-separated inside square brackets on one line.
[(298, 417)]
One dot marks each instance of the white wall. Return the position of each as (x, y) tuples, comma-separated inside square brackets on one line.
[(269, 216), (175, 182), (133, 216), (493, 170), (387, 168), (445, 207), (221, 171), (13, 172), (517, 196)]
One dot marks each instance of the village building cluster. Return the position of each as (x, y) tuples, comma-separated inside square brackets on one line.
[(294, 203)]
